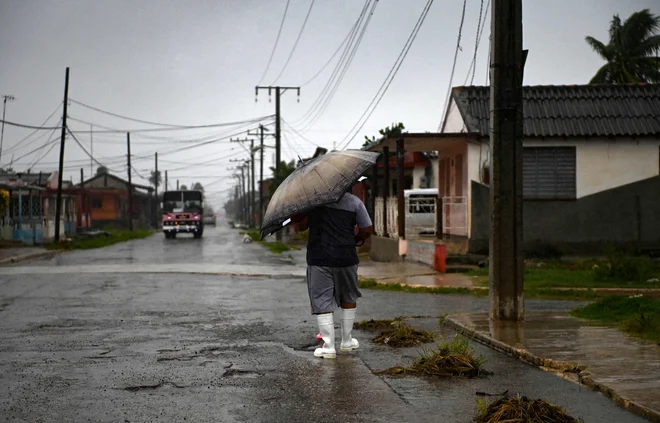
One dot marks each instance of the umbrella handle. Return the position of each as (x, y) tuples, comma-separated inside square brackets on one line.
[(359, 242)]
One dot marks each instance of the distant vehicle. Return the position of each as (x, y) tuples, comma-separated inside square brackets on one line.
[(183, 212), (420, 210), (209, 217)]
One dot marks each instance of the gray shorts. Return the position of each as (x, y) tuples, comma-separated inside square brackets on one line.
[(330, 287)]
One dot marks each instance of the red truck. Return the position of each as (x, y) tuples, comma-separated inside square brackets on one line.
[(183, 211)]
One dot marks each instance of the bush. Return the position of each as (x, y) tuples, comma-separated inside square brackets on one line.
[(623, 268)]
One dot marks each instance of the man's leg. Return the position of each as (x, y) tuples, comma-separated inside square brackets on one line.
[(346, 285), (321, 296)]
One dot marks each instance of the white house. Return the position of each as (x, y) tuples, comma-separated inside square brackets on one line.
[(591, 166)]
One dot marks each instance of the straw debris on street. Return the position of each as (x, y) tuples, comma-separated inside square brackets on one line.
[(403, 336), (522, 409), (454, 358)]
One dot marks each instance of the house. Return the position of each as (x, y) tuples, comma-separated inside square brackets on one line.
[(591, 167), (105, 198)]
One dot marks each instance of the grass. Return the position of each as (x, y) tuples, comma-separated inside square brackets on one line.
[(540, 293), (637, 315), (616, 271), (447, 359), (276, 247), (115, 236), (403, 336), (522, 409)]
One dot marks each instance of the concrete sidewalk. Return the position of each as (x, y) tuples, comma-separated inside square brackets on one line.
[(624, 368), (15, 255)]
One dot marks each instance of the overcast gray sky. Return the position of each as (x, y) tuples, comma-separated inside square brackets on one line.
[(197, 62)]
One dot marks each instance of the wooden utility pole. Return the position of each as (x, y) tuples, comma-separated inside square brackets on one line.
[(252, 219), (91, 150), (250, 193), (386, 188), (401, 180), (177, 184), (157, 175), (58, 201), (155, 203), (278, 130), (166, 184), (506, 114), (130, 183)]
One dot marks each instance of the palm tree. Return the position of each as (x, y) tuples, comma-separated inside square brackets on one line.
[(632, 52)]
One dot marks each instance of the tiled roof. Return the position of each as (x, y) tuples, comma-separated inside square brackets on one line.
[(572, 110)]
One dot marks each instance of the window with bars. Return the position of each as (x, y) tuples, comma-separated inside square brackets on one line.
[(549, 173)]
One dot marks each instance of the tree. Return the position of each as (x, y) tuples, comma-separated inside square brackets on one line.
[(391, 131), (286, 169), (198, 187), (156, 176), (183, 188), (631, 53), (101, 170)]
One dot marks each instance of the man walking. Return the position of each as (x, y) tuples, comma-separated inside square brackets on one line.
[(332, 264)]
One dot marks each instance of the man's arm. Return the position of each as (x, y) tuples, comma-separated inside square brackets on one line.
[(364, 224)]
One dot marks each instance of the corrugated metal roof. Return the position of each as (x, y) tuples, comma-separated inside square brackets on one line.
[(572, 110)]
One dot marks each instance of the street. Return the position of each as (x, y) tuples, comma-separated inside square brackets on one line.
[(86, 343)]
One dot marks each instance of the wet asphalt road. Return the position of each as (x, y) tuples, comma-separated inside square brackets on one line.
[(143, 347)]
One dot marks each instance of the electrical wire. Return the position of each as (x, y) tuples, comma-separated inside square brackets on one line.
[(277, 39), (388, 79), (453, 67), (341, 64), (300, 135), (39, 128), (480, 30), (217, 125), (19, 142), (82, 147), (293, 50)]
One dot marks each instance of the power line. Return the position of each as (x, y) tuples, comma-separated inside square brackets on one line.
[(389, 78), (337, 76), (217, 125), (277, 39), (453, 67), (302, 29), (82, 147), (18, 143), (39, 128), (300, 135), (480, 30)]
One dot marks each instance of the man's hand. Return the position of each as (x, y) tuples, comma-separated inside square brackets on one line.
[(301, 222), (364, 233)]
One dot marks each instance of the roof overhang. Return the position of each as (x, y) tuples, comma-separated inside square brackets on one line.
[(424, 142)]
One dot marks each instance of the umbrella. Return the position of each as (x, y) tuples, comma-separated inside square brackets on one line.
[(322, 180)]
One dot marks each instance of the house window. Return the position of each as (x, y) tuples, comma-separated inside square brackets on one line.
[(97, 203), (549, 173)]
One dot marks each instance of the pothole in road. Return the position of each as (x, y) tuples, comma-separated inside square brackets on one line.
[(233, 372), (162, 384)]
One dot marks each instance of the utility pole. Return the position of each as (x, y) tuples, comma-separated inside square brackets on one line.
[(250, 192), (166, 184), (156, 177), (506, 113), (6, 98), (58, 204), (91, 150), (82, 178), (261, 169), (177, 184), (130, 183), (278, 130)]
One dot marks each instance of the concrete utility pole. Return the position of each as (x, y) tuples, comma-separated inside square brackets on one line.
[(250, 192), (58, 204), (506, 114), (155, 203), (6, 98), (91, 151), (261, 170), (130, 183), (278, 132)]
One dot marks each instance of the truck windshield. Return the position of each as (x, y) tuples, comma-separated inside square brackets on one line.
[(182, 201)]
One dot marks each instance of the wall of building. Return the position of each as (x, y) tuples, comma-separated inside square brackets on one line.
[(454, 120), (626, 215), (603, 164), (384, 249)]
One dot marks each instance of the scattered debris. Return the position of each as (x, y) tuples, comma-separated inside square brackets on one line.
[(404, 336), (247, 239), (374, 325), (522, 409), (455, 358), (653, 280)]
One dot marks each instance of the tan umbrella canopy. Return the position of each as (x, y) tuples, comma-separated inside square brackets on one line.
[(320, 181)]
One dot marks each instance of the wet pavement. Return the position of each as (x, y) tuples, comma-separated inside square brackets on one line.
[(8, 253), (629, 366), (137, 346)]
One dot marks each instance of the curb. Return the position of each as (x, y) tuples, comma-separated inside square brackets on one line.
[(546, 364), (32, 256)]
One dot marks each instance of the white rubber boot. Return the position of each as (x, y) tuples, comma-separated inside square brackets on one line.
[(348, 343), (327, 329)]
